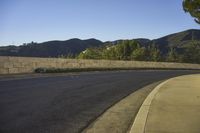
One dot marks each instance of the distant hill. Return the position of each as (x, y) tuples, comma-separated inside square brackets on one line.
[(140, 40), (50, 48), (178, 41)]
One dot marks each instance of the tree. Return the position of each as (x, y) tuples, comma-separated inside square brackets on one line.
[(192, 53), (120, 51), (90, 53), (133, 45), (70, 56), (193, 7), (154, 53), (139, 54), (126, 49), (172, 55), (109, 53)]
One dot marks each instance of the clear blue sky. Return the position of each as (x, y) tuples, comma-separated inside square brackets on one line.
[(43, 20)]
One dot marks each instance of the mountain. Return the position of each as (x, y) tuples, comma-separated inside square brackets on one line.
[(50, 48), (178, 41), (140, 40)]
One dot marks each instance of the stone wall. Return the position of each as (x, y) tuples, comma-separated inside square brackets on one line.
[(10, 65)]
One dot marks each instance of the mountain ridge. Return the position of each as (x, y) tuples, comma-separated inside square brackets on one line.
[(74, 46)]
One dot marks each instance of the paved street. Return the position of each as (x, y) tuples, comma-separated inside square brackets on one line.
[(67, 104)]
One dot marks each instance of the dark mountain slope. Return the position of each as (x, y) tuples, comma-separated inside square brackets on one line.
[(177, 40), (140, 40), (51, 48)]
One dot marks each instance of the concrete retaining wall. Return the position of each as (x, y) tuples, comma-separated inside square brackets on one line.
[(9, 65)]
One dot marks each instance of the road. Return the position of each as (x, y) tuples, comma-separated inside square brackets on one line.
[(67, 104)]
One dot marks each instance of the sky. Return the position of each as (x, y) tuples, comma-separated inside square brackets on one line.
[(23, 21)]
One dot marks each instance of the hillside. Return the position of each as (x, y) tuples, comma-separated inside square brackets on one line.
[(140, 40), (50, 48), (178, 41), (178, 47)]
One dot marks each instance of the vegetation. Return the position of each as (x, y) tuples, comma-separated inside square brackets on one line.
[(172, 56), (193, 7), (192, 53), (68, 70), (133, 50)]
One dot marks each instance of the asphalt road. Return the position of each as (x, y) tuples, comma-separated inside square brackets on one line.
[(67, 104)]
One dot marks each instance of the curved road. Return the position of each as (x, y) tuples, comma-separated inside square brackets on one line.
[(67, 104)]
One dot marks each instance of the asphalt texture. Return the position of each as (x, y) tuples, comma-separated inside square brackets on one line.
[(67, 103)]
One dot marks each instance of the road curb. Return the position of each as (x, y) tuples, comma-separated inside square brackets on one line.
[(118, 118), (140, 119)]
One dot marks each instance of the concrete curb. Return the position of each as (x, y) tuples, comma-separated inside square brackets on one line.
[(117, 118), (140, 120)]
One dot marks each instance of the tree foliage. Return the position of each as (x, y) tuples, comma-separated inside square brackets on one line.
[(172, 55), (132, 50), (193, 7), (139, 54), (90, 53), (154, 53), (192, 53)]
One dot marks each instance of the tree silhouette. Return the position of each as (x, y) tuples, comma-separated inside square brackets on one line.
[(193, 7)]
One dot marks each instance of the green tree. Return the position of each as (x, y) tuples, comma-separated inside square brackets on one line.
[(193, 7), (172, 55), (90, 53), (154, 53), (120, 51), (192, 53), (127, 50), (139, 54), (133, 45), (109, 53)]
